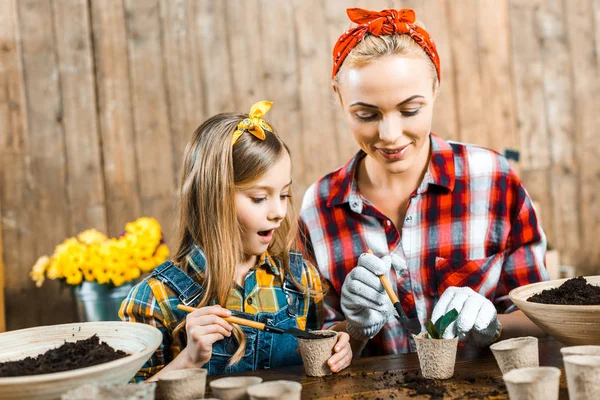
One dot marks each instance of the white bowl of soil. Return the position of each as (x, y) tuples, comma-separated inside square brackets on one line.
[(139, 341), (572, 324)]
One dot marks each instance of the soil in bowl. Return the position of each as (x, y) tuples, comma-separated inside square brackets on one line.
[(575, 291), (69, 356)]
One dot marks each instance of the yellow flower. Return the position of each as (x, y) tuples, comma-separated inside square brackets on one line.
[(54, 271), (161, 255), (73, 275), (145, 263), (39, 269), (102, 275), (91, 236), (94, 257)]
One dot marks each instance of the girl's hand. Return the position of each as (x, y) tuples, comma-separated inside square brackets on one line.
[(343, 353), (204, 327)]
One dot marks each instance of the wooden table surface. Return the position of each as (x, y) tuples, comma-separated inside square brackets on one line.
[(476, 376)]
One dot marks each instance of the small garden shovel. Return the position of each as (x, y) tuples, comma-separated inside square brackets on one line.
[(412, 325), (299, 333)]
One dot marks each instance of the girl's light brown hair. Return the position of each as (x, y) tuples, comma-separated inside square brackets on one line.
[(212, 170), (372, 47)]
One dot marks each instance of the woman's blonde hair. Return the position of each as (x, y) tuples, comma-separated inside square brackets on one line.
[(212, 170), (372, 47)]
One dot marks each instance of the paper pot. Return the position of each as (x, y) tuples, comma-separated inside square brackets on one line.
[(316, 352), (234, 387), (585, 350), (122, 391), (583, 377), (537, 383), (275, 390), (515, 353), (436, 356), (182, 384)]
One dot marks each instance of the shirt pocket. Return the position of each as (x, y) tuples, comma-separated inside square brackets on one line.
[(481, 275)]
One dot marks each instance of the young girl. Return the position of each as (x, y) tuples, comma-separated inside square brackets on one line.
[(233, 258)]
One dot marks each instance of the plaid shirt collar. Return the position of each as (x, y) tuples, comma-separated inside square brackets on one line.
[(440, 172), (197, 262)]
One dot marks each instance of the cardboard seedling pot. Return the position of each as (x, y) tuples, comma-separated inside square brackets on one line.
[(316, 352), (536, 383), (583, 377), (182, 384), (275, 390), (233, 387), (521, 352), (436, 356)]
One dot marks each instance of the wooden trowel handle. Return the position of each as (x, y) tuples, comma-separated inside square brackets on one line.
[(388, 288), (235, 320), (387, 285)]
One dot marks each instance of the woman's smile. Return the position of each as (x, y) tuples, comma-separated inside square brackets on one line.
[(393, 153)]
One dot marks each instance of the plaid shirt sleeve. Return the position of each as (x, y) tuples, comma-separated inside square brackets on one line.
[(142, 306), (313, 281), (526, 246), (329, 304)]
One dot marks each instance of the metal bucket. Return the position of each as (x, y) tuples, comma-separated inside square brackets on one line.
[(97, 302)]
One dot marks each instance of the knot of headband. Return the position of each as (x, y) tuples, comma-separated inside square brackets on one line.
[(254, 124), (378, 23)]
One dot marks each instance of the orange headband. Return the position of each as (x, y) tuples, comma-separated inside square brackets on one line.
[(385, 22)]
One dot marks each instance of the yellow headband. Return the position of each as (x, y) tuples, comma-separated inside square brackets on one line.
[(254, 124)]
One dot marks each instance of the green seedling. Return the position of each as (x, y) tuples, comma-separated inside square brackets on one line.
[(436, 330)]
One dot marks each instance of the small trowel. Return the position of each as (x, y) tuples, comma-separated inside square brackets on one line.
[(299, 333), (412, 325)]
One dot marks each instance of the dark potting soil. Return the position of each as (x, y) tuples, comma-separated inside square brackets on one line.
[(434, 389), (575, 291), (69, 356)]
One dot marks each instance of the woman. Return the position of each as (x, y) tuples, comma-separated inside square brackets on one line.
[(452, 222)]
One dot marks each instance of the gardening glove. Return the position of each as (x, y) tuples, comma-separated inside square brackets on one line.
[(477, 320), (364, 301)]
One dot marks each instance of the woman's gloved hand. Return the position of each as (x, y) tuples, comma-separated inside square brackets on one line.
[(477, 320), (364, 301)]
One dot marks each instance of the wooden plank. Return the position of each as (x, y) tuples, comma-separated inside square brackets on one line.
[(114, 113), (85, 184), (2, 306), (12, 143), (586, 107), (533, 139), (214, 60), (183, 74), (558, 92), (435, 16), (496, 81), (281, 83), (463, 33), (319, 134), (155, 175), (45, 218), (246, 59)]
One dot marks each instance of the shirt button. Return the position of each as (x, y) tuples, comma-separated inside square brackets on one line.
[(409, 218), (249, 301), (388, 222)]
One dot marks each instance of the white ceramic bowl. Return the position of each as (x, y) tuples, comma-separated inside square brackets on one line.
[(138, 340), (572, 325)]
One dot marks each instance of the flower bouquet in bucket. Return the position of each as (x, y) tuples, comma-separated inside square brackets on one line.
[(101, 270)]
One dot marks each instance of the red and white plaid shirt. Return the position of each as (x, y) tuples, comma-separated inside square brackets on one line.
[(470, 223)]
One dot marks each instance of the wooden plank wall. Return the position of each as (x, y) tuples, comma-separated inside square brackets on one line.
[(99, 97)]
